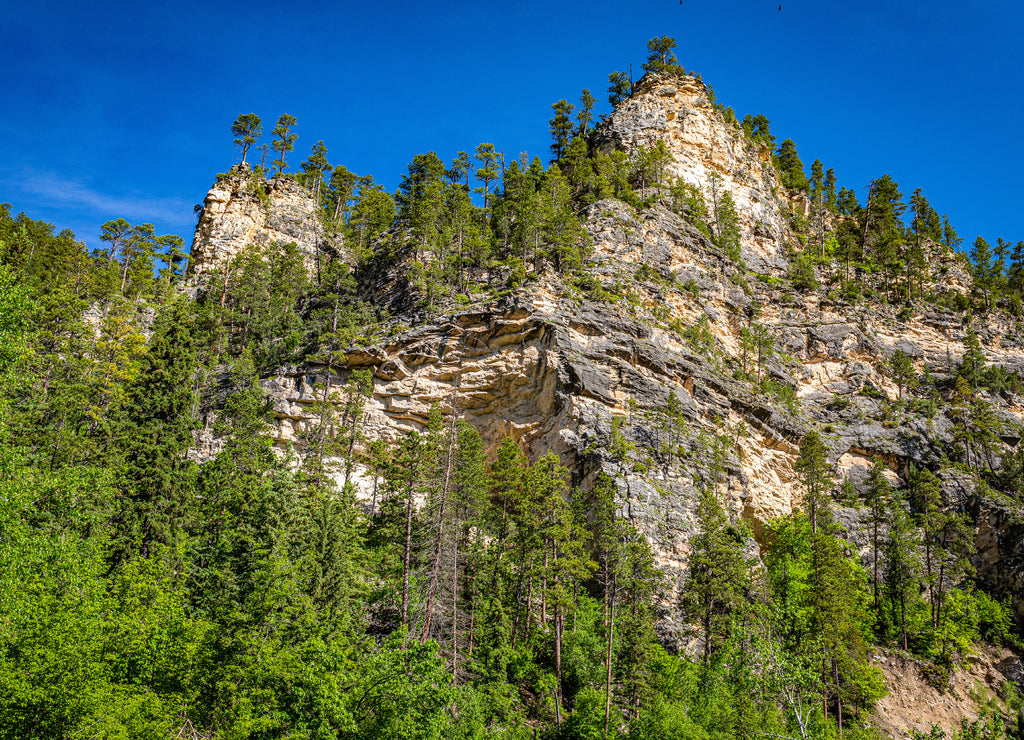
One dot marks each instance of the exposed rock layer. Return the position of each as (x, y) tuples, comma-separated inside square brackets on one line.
[(245, 209), (552, 366)]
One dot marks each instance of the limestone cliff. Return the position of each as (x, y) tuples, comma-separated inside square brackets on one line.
[(586, 368), (244, 208), (677, 110)]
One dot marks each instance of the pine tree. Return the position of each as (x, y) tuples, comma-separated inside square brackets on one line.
[(315, 168), (790, 167), (728, 227), (284, 140), (901, 566), (561, 128), (926, 498), (619, 88), (812, 467), (972, 365), (903, 371), (836, 598), (983, 268), (719, 575), (878, 501), (153, 436), (487, 173), (585, 112), (660, 57), (246, 129)]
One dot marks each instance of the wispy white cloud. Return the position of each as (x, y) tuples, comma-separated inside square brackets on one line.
[(58, 192)]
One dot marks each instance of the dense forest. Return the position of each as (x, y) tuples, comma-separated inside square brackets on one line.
[(151, 591)]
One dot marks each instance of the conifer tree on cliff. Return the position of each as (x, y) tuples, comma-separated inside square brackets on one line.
[(284, 140), (660, 57), (315, 167), (790, 166), (619, 88), (561, 127), (246, 129), (812, 467)]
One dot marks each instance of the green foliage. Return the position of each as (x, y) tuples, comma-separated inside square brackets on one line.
[(728, 228), (688, 201), (758, 129), (618, 88), (284, 140), (801, 273), (791, 169), (145, 594), (660, 57), (246, 129)]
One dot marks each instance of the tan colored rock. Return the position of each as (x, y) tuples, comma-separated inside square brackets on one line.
[(677, 110), (242, 209)]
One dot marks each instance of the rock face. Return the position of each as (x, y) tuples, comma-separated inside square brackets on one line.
[(916, 703), (678, 111), (243, 208), (646, 377)]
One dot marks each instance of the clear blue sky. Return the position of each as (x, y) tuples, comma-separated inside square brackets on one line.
[(123, 109)]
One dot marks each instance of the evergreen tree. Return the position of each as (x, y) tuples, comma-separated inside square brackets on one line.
[(619, 88), (420, 201), (719, 575), (315, 168), (926, 499), (561, 128), (983, 269), (903, 371), (878, 501), (972, 365), (660, 57), (950, 238), (901, 567), (812, 467), (372, 214), (585, 112), (758, 130), (791, 168), (246, 129), (284, 140), (340, 190), (486, 173), (830, 187), (153, 436)]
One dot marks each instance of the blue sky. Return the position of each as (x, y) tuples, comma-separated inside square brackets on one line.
[(124, 109)]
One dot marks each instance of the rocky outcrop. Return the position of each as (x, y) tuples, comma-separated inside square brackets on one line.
[(677, 110), (589, 377), (586, 366), (243, 208), (921, 697), (1000, 561)]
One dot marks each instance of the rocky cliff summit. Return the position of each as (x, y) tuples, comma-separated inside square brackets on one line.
[(244, 208), (705, 145)]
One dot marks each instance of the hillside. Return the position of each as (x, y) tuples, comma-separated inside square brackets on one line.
[(662, 439)]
